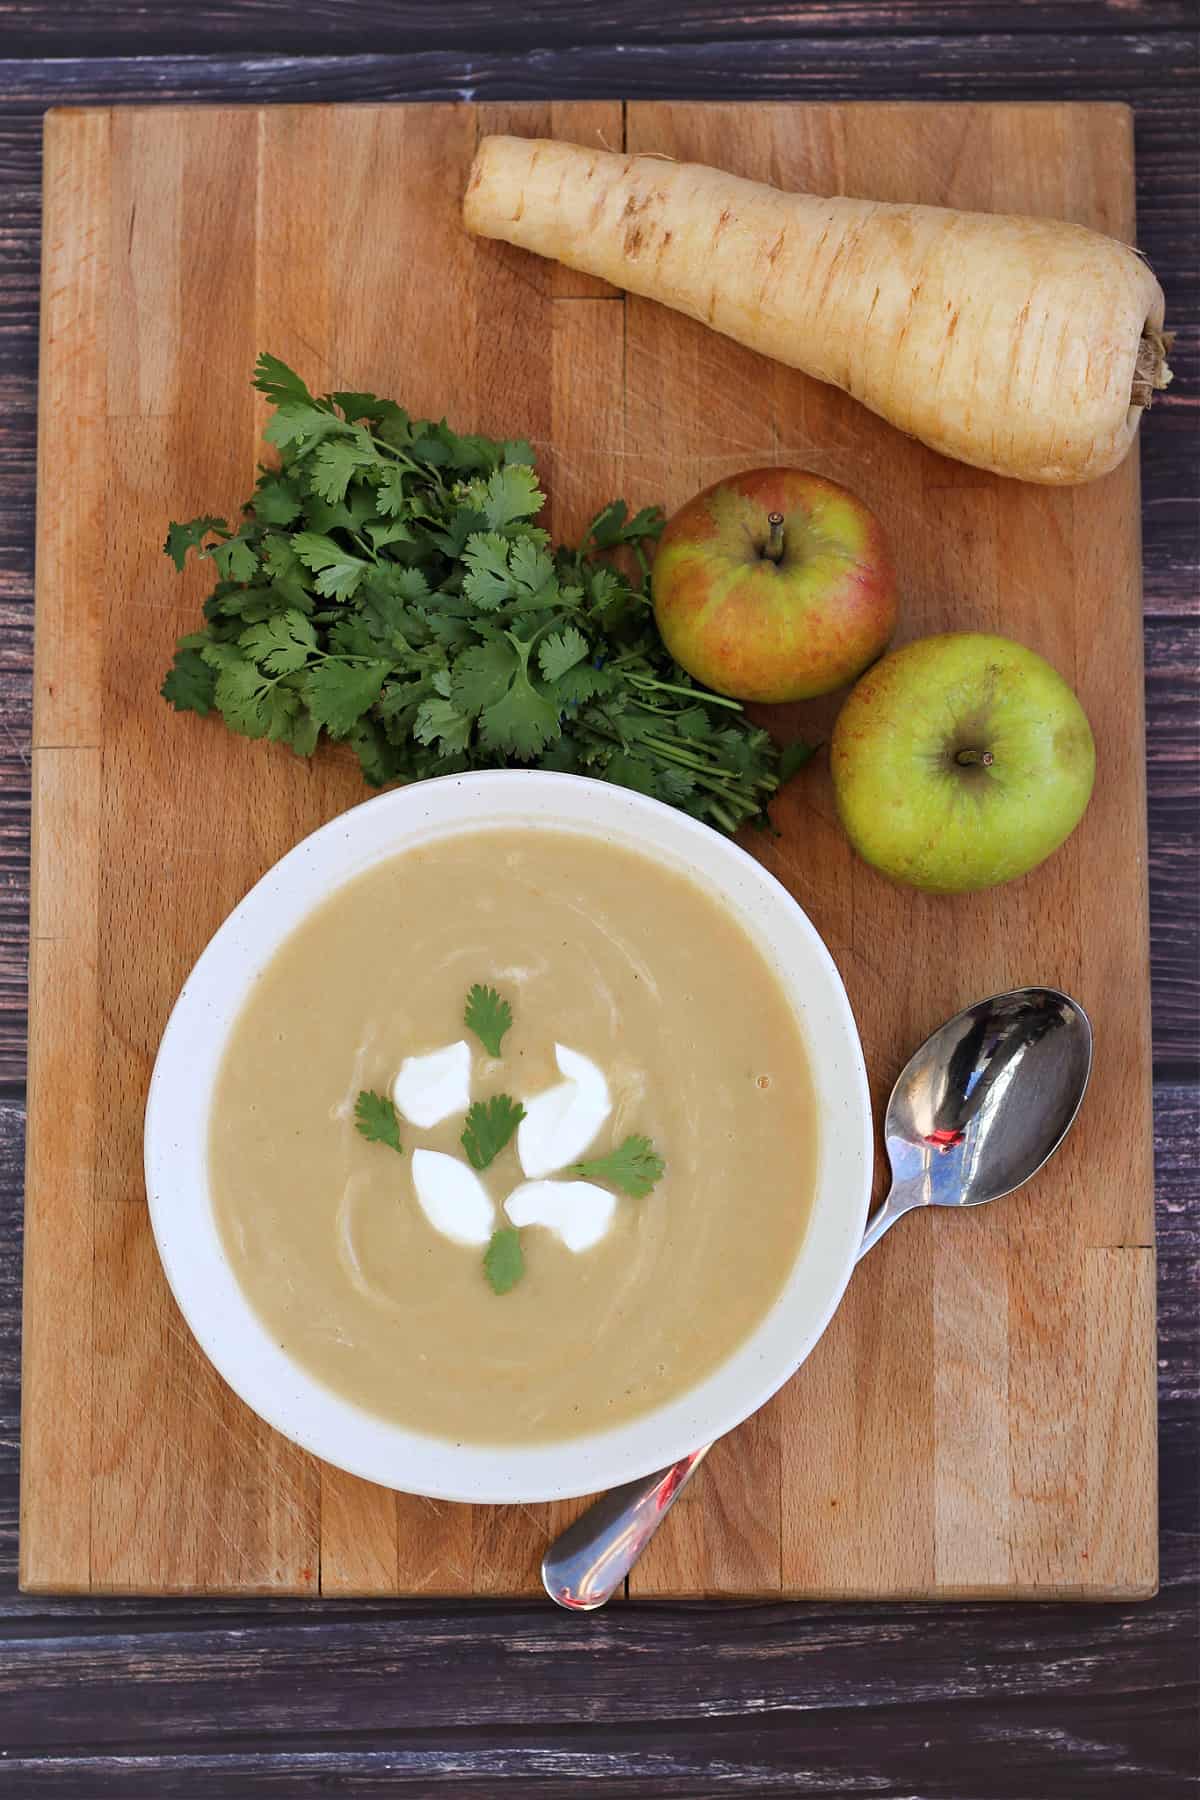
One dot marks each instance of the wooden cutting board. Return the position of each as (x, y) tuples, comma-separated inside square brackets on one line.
[(979, 1420)]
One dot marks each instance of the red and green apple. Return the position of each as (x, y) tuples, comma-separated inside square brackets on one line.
[(774, 585)]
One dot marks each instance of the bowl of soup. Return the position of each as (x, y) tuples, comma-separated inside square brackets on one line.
[(510, 1139)]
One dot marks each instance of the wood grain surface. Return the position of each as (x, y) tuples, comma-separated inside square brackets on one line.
[(228, 1699), (984, 1401)]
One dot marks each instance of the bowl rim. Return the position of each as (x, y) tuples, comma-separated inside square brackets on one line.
[(297, 1403)]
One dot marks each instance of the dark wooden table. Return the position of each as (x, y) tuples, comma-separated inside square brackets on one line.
[(231, 1699)]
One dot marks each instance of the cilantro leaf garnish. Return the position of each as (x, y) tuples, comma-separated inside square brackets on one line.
[(362, 406), (376, 1118), (503, 1260), (339, 691), (633, 1166), (237, 557), (389, 495), (438, 721), (488, 1016), (182, 538), (276, 502), (273, 378), (507, 494), (481, 676), (189, 683), (613, 526), (561, 651), (338, 572), (487, 581), (333, 467), (241, 695), (389, 586), (282, 644), (490, 1124), (525, 718)]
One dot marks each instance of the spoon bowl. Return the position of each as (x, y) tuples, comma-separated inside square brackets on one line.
[(985, 1102)]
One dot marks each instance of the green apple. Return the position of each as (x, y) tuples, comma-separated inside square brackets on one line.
[(960, 762), (774, 585)]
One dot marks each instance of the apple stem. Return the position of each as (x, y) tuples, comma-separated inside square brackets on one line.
[(774, 544), (968, 757)]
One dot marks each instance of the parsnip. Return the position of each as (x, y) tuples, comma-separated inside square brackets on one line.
[(1026, 346)]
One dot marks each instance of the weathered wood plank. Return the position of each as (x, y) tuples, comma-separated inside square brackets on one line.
[(220, 1679), (49, 28), (1073, 1749), (996, 65)]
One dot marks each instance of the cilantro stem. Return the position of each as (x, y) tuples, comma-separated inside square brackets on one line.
[(720, 781), (674, 687), (664, 747), (726, 782), (693, 757)]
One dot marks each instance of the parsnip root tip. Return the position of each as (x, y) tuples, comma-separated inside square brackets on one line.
[(1151, 372)]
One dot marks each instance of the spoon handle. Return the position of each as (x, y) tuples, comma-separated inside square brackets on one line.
[(587, 1563), (883, 1218)]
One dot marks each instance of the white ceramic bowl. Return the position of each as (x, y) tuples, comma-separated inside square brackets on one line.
[(177, 1115)]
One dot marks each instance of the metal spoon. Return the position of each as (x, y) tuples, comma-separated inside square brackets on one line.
[(977, 1111)]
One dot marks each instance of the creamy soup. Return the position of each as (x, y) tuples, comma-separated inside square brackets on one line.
[(636, 1001)]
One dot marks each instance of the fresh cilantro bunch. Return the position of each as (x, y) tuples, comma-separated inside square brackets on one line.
[(388, 587)]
